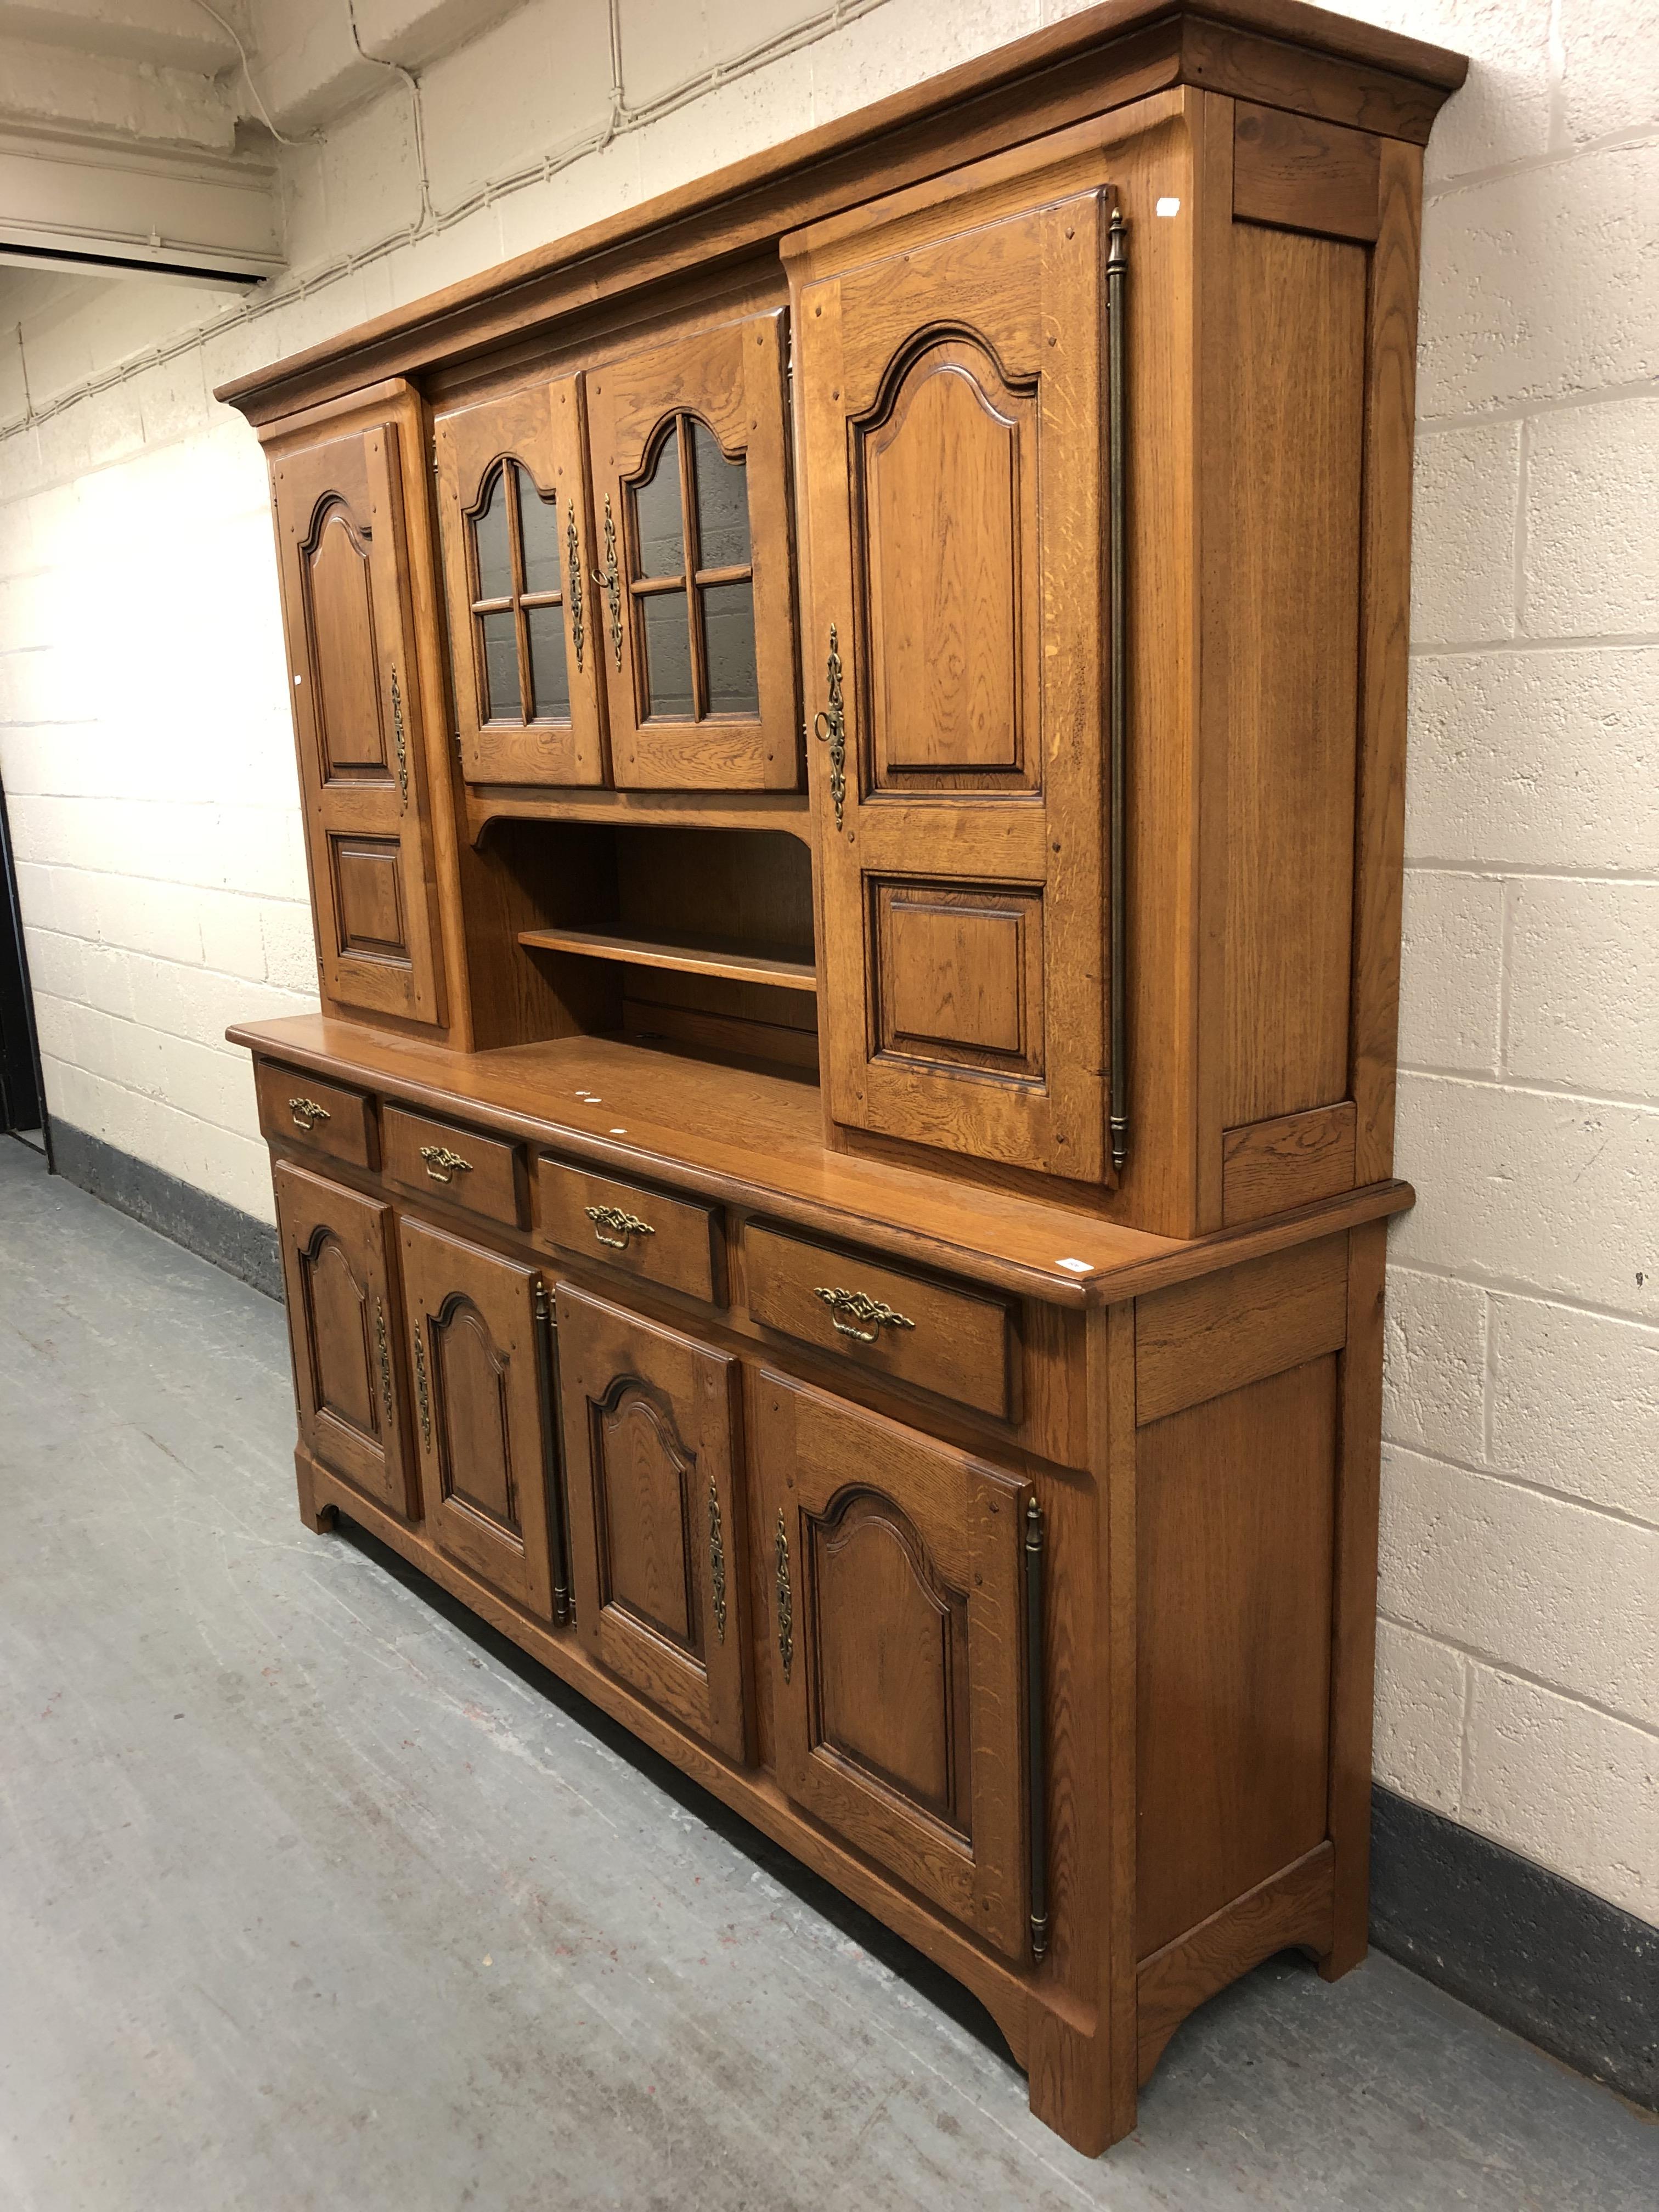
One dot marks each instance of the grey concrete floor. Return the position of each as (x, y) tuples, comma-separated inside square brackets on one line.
[(311, 1897)]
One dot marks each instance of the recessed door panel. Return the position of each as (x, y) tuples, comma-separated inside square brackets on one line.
[(343, 1325), (949, 378), (485, 1428), (339, 1332), (957, 976), (894, 1644), (890, 1647), (369, 896), (358, 719), (949, 468), (339, 605), (655, 1520), (643, 1498)]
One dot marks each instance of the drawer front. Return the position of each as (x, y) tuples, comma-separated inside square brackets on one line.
[(440, 1158), (954, 1342), (640, 1232), (304, 1109)]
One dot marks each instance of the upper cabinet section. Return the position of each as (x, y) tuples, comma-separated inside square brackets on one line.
[(952, 352), (692, 501), (339, 500), (518, 545)]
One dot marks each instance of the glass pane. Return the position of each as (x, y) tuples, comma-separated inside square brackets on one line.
[(667, 655), (495, 555), (502, 665), (538, 520), (728, 628), (722, 502), (657, 512), (548, 677)]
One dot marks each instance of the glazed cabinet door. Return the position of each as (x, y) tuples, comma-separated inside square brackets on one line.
[(480, 1349), (343, 1323), (513, 501), (357, 716), (950, 400), (895, 1640), (692, 501), (655, 1525)]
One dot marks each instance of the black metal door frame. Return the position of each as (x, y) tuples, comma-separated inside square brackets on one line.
[(22, 1093)]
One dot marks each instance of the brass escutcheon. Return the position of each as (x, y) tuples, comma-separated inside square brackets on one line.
[(306, 1113), (399, 738), (382, 1348), (573, 547), (785, 1600), (443, 1165), (420, 1390), (829, 728), (717, 1560)]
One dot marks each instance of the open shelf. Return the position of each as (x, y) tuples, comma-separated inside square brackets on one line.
[(737, 964)]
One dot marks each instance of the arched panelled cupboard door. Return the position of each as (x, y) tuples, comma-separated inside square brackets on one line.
[(949, 379), (358, 721), (691, 510), (486, 1452), (524, 608), (343, 1322), (893, 1574), (656, 1519)]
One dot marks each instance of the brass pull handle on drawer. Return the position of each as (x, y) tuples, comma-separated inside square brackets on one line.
[(443, 1165), (613, 1217), (870, 1315), (306, 1113)]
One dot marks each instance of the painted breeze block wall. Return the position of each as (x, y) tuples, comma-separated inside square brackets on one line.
[(147, 756)]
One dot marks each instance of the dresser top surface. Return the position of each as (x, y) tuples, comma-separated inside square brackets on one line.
[(752, 1137)]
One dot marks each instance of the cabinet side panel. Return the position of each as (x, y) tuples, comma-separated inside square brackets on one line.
[(1299, 324), (1379, 844), (1235, 1502)]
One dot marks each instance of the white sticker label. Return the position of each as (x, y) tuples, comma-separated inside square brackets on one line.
[(1169, 207), (1075, 1267)]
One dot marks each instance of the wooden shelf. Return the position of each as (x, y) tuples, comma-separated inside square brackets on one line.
[(788, 810), (738, 963)]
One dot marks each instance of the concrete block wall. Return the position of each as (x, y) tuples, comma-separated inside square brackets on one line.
[(145, 748)]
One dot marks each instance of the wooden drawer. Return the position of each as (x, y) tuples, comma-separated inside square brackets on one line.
[(304, 1109), (952, 1341), (441, 1159), (671, 1240)]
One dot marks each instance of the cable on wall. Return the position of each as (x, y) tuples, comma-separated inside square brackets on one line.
[(427, 217), (312, 138), (623, 120)]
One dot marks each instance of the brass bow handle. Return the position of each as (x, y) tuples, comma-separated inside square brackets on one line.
[(870, 1315), (613, 1217), (306, 1113), (443, 1165)]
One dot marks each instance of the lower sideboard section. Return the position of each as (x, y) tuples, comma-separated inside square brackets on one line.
[(1083, 1736)]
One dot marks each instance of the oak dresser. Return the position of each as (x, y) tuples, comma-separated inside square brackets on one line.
[(851, 731)]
